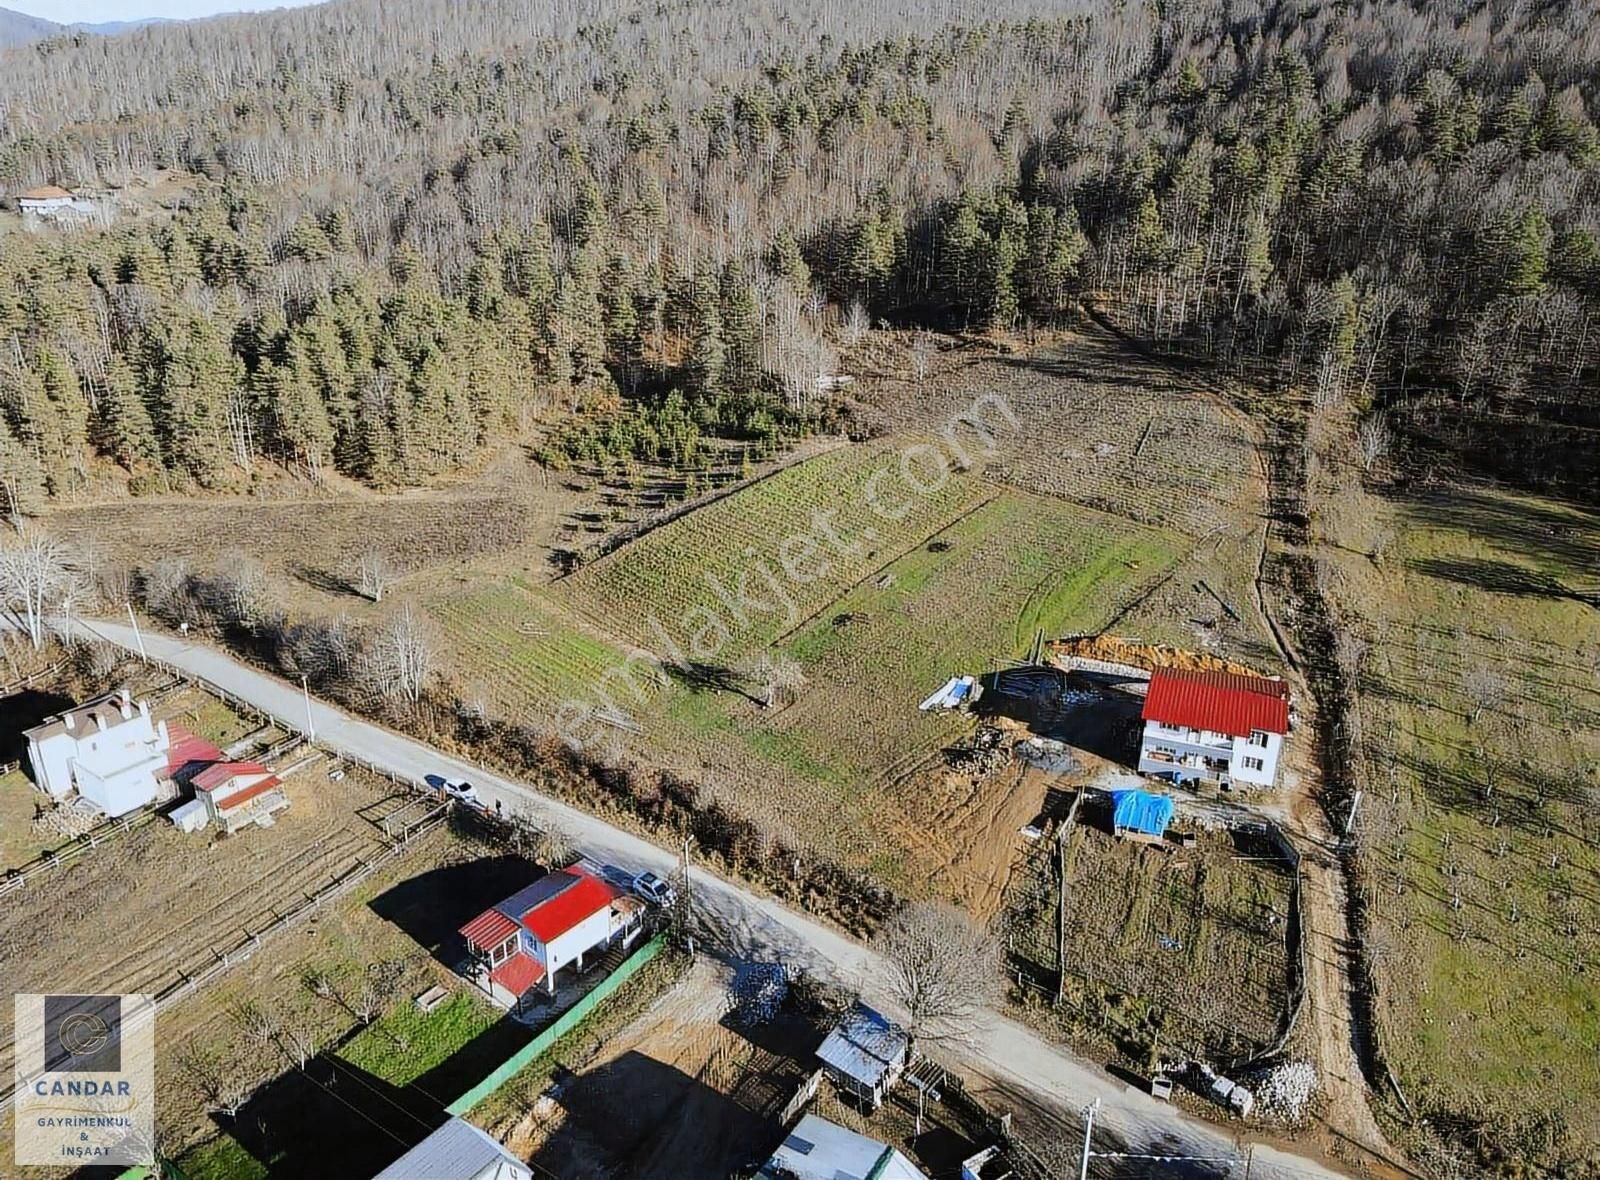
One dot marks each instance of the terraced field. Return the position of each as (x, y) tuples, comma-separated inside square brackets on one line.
[(518, 648), (754, 538)]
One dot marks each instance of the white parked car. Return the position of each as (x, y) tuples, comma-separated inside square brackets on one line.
[(458, 789), (654, 890)]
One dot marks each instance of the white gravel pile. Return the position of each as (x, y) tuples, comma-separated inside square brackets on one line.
[(1284, 1091)]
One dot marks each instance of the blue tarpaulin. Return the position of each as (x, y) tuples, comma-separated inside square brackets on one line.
[(1141, 811)]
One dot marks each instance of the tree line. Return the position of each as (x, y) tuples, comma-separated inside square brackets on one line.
[(396, 256)]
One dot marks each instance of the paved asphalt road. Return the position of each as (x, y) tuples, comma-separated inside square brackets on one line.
[(1011, 1058)]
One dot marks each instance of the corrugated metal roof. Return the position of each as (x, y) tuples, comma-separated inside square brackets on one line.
[(488, 930), (186, 751), (819, 1150), (456, 1151), (218, 773), (864, 1045), (1219, 701), (518, 973), (585, 897)]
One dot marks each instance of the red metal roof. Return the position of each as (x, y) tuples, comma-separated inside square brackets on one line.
[(186, 750), (584, 898), (518, 973), (1219, 701), (218, 773), (240, 797), (488, 930)]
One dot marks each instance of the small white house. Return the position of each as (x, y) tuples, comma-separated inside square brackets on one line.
[(236, 794), (558, 921), (108, 750), (51, 201), (1213, 727)]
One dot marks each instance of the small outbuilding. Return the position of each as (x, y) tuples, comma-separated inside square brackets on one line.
[(819, 1150), (1140, 815), (865, 1054), (457, 1151)]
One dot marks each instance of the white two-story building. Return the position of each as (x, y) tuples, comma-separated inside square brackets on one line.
[(1213, 727), (107, 749)]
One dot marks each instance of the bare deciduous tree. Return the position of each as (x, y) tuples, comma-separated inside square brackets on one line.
[(33, 576), (400, 656), (1374, 440), (944, 971), (1484, 688), (922, 350), (777, 674), (374, 574)]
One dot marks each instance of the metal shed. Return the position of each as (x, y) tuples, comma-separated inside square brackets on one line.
[(865, 1053)]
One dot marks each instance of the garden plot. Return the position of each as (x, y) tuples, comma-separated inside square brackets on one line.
[(1170, 952), (1480, 716), (157, 904)]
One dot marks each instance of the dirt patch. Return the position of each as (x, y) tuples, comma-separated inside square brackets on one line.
[(679, 1092)]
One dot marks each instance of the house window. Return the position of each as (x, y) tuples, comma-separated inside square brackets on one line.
[(1253, 764), (502, 952), (1259, 738)]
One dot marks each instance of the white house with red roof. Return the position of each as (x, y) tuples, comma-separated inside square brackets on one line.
[(1215, 727), (235, 794), (558, 921)]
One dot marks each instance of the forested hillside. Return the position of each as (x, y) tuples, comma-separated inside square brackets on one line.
[(418, 222)]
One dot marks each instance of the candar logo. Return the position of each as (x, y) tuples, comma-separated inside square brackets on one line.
[(83, 1034), (85, 1079)]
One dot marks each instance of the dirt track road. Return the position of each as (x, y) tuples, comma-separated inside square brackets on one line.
[(1011, 1059)]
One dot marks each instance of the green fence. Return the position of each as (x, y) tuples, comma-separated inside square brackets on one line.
[(569, 1020)]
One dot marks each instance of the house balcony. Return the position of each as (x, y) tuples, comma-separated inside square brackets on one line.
[(1185, 767)]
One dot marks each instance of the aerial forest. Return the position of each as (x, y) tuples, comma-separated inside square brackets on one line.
[(417, 227)]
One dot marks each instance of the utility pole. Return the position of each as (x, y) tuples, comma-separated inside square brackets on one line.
[(311, 726), (688, 899), (1088, 1134), (137, 637)]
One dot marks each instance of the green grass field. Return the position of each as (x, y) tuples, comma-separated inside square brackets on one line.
[(1481, 719), (405, 1043), (961, 582), (973, 596)]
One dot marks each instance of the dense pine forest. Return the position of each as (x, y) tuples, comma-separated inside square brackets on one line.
[(416, 226)]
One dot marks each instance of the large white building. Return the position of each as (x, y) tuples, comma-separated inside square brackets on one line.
[(1213, 727), (107, 749)]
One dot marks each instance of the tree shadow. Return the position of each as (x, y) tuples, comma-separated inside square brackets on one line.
[(320, 579), (1501, 577), (431, 907), (332, 1119)]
